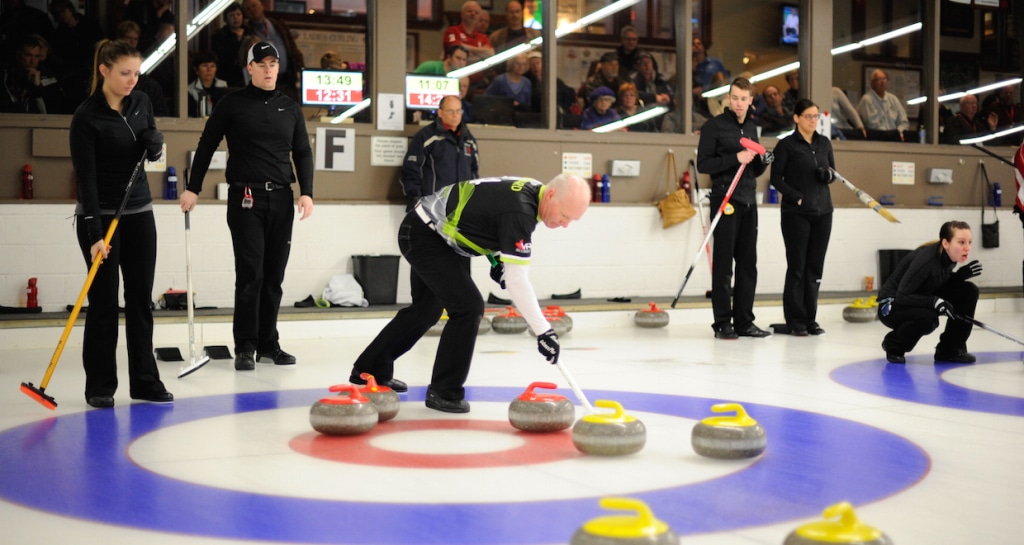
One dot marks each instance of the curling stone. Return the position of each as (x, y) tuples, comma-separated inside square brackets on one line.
[(846, 530), (728, 437), (383, 397), (651, 318), (342, 415), (555, 311), (510, 323), (861, 311), (536, 412), (615, 434), (639, 529), (485, 325)]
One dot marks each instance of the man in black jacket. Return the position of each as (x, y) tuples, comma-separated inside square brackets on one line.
[(441, 154), (720, 154), (266, 132)]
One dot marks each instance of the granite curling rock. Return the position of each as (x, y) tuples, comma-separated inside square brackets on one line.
[(846, 530), (862, 310), (536, 412), (436, 329), (341, 415), (638, 528), (651, 317), (510, 323), (554, 313), (728, 437), (603, 434), (383, 397)]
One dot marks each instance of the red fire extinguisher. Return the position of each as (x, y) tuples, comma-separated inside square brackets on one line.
[(684, 183)]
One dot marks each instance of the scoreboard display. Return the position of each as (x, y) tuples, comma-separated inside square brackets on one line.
[(331, 88), (424, 92)]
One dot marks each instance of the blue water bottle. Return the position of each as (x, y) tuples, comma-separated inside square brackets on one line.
[(773, 195), (606, 189), (997, 195), (171, 189)]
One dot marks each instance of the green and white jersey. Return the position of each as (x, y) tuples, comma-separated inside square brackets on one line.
[(488, 216)]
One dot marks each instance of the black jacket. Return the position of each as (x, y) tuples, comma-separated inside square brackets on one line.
[(795, 174), (105, 147), (918, 276), (439, 158), (716, 155), (265, 132)]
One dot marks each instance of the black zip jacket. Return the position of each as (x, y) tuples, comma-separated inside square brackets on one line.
[(918, 276), (105, 147), (438, 158), (795, 174), (265, 132), (716, 155)]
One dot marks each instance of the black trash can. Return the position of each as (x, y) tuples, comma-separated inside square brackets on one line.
[(378, 275), (887, 261)]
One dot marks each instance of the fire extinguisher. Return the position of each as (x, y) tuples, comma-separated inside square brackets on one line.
[(684, 184)]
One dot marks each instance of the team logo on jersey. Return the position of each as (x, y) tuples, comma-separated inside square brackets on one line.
[(468, 149), (523, 247), (729, 210)]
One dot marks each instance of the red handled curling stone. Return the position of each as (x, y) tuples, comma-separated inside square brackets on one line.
[(651, 317), (555, 312), (509, 323), (536, 412), (383, 397), (728, 437), (342, 415), (604, 434), (639, 529), (847, 530)]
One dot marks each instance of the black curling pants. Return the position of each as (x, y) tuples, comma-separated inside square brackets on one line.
[(806, 239), (735, 239), (133, 256), (262, 239), (909, 324), (440, 281)]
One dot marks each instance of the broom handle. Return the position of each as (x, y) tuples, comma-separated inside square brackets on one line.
[(188, 296), (575, 388)]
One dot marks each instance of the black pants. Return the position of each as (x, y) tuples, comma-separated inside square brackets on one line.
[(262, 239), (440, 281), (806, 239), (735, 239), (909, 324), (133, 255)]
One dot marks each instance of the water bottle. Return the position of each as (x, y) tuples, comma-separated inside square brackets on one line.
[(606, 189), (997, 195), (921, 135), (26, 182), (773, 195), (685, 185), (598, 190), (171, 189)]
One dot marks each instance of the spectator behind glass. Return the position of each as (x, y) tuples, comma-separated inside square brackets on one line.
[(705, 67), (569, 111), (466, 34), (600, 111), (277, 32), (792, 94), (26, 86), (1008, 111), (483, 22), (968, 122), (454, 58), (513, 33), (164, 73), (606, 75), (844, 115), (201, 98), (629, 105), (73, 41), (128, 32), (652, 86), (513, 83), (880, 110), (628, 51), (227, 44), (148, 14), (776, 118), (18, 19), (332, 61)]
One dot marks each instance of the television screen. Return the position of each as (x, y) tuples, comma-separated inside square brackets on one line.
[(331, 88), (790, 25), (424, 92)]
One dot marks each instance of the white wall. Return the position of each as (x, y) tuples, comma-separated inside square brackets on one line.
[(614, 251)]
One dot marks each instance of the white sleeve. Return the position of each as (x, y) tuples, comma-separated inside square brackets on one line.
[(517, 282)]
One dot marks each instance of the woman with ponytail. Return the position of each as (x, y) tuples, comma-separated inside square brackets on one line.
[(110, 132)]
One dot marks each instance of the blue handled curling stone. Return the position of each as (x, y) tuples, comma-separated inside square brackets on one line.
[(341, 415), (847, 530), (638, 528), (728, 437), (651, 317), (536, 412), (383, 397), (609, 434)]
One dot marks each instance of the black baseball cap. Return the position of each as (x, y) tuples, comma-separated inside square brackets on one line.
[(262, 50)]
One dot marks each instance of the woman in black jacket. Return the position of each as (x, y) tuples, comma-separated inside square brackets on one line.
[(110, 131), (802, 173)]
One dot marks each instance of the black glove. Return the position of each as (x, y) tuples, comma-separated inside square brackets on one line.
[(768, 158), (153, 140), (943, 307), (969, 270), (825, 175), (498, 273), (547, 345)]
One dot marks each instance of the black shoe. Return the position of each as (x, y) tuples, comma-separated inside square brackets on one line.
[(753, 331), (815, 329), (438, 403), (244, 361), (892, 355), (725, 332), (155, 397), (798, 332), (100, 402), (960, 355), (394, 383), (277, 357)]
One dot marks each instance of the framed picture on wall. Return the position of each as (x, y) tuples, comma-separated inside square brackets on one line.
[(956, 20), (905, 83)]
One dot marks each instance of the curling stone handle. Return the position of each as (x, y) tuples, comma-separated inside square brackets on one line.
[(643, 513), (544, 385)]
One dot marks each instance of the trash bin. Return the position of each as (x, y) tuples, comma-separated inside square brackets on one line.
[(378, 275), (887, 261)]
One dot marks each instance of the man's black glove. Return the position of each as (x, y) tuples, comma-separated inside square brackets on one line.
[(498, 273), (547, 345), (153, 140), (969, 270), (943, 307), (825, 175), (768, 158)]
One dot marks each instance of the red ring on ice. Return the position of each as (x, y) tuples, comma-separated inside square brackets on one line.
[(536, 448)]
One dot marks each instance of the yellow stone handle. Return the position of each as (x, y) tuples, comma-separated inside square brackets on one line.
[(740, 419)]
